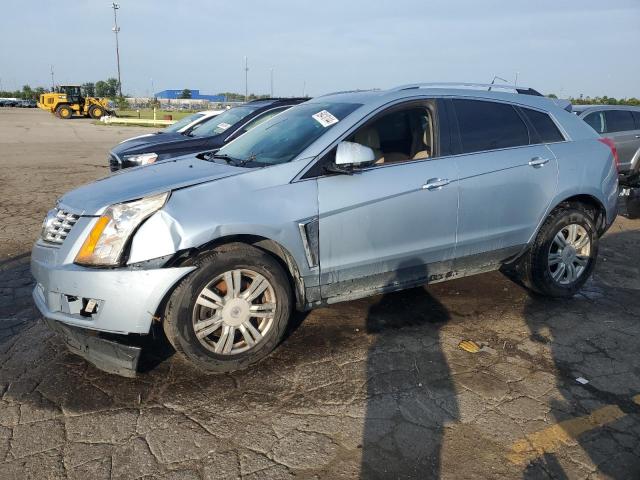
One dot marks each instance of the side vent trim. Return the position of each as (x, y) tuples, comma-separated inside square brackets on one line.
[(309, 233)]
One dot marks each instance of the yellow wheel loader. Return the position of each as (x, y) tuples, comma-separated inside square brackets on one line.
[(68, 100)]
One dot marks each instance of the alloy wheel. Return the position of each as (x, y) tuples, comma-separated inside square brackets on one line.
[(569, 254), (234, 312)]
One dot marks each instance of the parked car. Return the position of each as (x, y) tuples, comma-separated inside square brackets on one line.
[(345, 196), (8, 103), (205, 136), (621, 125), (182, 125)]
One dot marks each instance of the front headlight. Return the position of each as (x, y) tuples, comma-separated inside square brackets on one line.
[(108, 237), (142, 159)]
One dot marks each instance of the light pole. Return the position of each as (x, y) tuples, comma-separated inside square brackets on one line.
[(246, 80), (116, 29), (272, 83), (53, 85)]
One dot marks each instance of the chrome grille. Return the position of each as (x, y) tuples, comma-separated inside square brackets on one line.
[(57, 225), (114, 163)]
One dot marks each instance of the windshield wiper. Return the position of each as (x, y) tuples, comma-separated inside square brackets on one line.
[(250, 159), (223, 156)]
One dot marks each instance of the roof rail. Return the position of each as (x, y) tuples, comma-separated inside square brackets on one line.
[(476, 86)]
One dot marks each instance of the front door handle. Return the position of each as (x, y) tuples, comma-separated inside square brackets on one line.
[(537, 162), (637, 136), (435, 183)]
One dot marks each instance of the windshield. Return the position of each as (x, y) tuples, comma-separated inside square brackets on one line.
[(183, 123), (285, 136), (223, 122)]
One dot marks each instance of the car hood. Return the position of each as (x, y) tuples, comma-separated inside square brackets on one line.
[(139, 182), (132, 145)]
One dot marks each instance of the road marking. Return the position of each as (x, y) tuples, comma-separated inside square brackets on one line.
[(551, 439)]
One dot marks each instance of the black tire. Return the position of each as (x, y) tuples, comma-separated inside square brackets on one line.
[(96, 112), (633, 203), (64, 112), (533, 269), (179, 313)]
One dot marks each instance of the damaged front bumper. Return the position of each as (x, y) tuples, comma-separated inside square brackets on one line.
[(86, 306), (122, 300), (107, 355)]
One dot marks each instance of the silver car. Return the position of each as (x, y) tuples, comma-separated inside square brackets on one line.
[(622, 125), (344, 196), (619, 125)]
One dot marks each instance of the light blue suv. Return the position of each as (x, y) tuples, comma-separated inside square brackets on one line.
[(344, 196)]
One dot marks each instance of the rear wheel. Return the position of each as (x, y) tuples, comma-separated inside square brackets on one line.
[(64, 111), (96, 112), (563, 255), (232, 311)]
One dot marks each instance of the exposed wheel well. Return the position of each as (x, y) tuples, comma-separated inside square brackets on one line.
[(597, 210), (280, 253)]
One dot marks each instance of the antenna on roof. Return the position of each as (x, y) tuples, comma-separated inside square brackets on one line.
[(495, 77)]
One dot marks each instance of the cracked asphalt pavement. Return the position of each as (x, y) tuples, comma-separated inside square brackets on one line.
[(375, 388)]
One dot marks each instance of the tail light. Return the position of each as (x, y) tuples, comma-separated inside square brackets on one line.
[(614, 151)]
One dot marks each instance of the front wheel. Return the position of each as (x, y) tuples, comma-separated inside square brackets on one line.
[(96, 112), (564, 253), (232, 311)]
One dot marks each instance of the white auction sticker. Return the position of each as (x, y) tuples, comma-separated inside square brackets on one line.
[(324, 118), (223, 126)]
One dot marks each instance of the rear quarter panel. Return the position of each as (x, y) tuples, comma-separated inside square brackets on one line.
[(586, 167)]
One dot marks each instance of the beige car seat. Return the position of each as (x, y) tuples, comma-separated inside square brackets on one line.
[(427, 141), (369, 138)]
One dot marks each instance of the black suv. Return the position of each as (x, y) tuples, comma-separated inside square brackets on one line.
[(204, 137)]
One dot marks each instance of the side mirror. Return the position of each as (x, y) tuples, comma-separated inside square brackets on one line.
[(353, 154)]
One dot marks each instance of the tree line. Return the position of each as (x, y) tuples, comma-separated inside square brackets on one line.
[(604, 100), (109, 88), (102, 88)]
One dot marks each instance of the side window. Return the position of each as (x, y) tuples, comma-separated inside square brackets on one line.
[(486, 125), (636, 117), (400, 135), (545, 127), (619, 121), (596, 121)]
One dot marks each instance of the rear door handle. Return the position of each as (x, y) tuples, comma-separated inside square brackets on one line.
[(637, 136), (435, 183), (537, 162)]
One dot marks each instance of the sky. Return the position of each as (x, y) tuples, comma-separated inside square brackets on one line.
[(566, 47)]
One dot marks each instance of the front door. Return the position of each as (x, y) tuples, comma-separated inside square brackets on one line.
[(394, 223)]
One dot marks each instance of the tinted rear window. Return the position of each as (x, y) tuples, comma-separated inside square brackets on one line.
[(619, 120), (596, 121), (489, 126), (547, 130)]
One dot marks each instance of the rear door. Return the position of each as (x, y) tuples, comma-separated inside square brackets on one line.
[(621, 128), (507, 180)]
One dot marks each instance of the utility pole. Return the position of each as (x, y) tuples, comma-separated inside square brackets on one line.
[(116, 29), (246, 79), (304, 88), (53, 85), (272, 83), (516, 83)]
